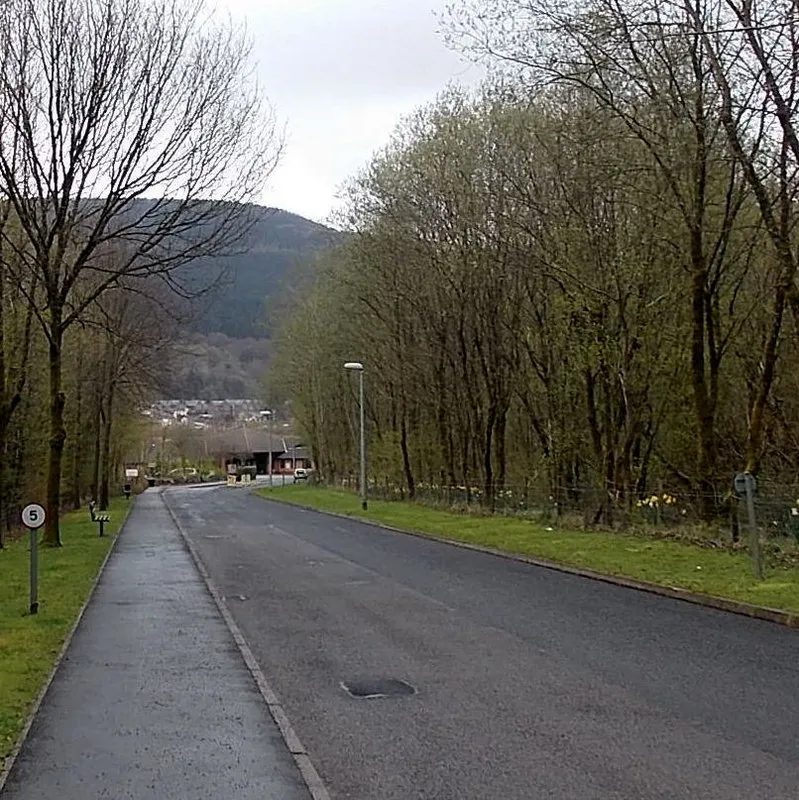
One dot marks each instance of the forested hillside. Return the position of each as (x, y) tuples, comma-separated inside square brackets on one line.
[(215, 366), (271, 259), (225, 349)]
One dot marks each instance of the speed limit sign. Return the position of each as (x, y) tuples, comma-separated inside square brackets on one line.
[(33, 516)]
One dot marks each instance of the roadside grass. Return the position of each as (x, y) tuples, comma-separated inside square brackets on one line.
[(663, 561), (29, 644)]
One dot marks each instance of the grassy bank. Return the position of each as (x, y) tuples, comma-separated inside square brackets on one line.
[(30, 644), (669, 563)]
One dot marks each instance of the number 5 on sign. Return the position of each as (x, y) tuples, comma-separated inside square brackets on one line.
[(33, 517)]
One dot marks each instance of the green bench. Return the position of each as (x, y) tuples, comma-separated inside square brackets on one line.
[(99, 517)]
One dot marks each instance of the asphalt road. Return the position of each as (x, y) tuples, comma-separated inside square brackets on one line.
[(529, 683)]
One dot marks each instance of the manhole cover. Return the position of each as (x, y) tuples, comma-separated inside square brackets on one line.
[(381, 687)]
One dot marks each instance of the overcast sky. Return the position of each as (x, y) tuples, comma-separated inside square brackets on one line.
[(340, 74)]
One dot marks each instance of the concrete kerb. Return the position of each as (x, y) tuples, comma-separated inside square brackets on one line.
[(11, 759), (786, 618), (298, 751)]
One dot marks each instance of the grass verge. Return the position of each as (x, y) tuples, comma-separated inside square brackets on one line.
[(665, 562), (29, 645)]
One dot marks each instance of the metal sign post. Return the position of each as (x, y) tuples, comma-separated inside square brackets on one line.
[(33, 517), (745, 484)]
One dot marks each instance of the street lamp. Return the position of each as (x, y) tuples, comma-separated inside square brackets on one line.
[(356, 366), (269, 414)]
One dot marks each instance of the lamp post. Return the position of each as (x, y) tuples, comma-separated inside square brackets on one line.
[(356, 366), (269, 414)]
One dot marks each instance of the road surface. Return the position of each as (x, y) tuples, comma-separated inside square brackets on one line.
[(529, 683)]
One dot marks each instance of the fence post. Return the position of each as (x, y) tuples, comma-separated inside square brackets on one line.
[(745, 483)]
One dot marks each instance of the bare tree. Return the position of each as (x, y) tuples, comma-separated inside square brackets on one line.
[(753, 52), (649, 67), (132, 122), (15, 345), (138, 332)]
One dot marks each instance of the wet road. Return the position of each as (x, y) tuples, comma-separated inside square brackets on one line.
[(530, 683)]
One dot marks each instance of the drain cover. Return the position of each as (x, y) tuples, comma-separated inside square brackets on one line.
[(380, 687)]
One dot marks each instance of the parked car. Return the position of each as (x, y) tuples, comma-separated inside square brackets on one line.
[(300, 474), (186, 472)]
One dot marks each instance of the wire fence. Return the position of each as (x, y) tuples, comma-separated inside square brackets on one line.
[(719, 518)]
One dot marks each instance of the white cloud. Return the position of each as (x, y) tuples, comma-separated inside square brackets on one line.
[(341, 74)]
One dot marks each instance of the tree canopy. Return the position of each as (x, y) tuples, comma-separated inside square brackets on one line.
[(579, 277)]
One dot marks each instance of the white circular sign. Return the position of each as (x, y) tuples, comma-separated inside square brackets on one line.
[(33, 516)]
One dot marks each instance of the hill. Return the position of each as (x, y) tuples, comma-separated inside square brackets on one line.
[(226, 348), (214, 366), (277, 247)]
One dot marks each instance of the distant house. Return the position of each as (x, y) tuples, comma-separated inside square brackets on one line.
[(295, 457), (257, 447)]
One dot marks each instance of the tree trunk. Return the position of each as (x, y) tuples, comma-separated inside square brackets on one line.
[(3, 392), (105, 472), (58, 434), (446, 444), (703, 410), (3, 450), (500, 445), (754, 444), (465, 439), (406, 459), (76, 488), (5, 424), (488, 467), (610, 439), (599, 495), (10, 395), (97, 449), (17, 475)]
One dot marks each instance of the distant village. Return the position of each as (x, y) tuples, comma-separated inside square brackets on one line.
[(237, 433), (208, 414)]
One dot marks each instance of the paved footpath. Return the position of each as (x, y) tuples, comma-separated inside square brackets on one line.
[(153, 701)]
